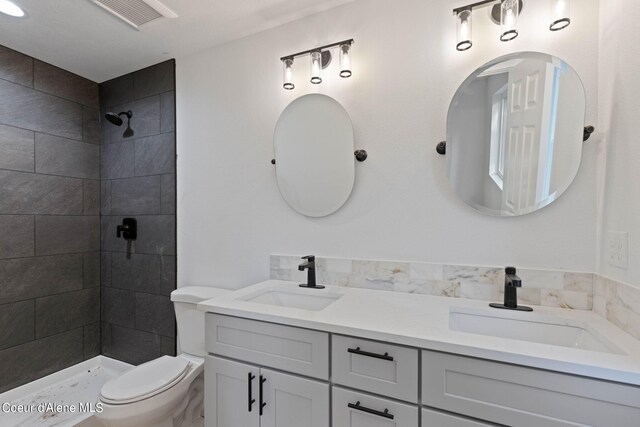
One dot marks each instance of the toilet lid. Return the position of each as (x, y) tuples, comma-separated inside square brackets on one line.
[(144, 381)]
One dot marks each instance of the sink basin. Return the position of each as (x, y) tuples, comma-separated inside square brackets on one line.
[(306, 299), (558, 331)]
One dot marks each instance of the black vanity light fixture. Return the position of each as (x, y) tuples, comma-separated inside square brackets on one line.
[(320, 59), (505, 13)]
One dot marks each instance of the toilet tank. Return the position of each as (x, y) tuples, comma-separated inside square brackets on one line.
[(189, 319)]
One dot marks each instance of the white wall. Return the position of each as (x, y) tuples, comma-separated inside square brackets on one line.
[(406, 70), (619, 150)]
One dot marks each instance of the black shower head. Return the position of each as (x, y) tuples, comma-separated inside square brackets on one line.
[(116, 119)]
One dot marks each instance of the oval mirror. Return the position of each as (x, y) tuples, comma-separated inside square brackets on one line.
[(515, 134), (313, 145)]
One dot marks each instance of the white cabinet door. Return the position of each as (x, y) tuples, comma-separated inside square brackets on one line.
[(231, 394), (293, 402)]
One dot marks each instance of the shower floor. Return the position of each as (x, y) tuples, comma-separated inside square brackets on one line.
[(78, 384)]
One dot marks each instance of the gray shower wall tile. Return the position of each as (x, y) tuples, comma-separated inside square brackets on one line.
[(168, 194), (27, 362), (153, 274), (168, 112), (66, 157), (67, 234), (91, 276), (154, 80), (16, 323), (64, 84), (155, 155), (118, 160), (144, 122), (90, 125), (133, 346), (168, 274), (118, 306), (64, 312), (16, 149), (159, 235), (16, 67), (116, 91), (136, 196), (136, 272), (26, 278), (140, 183), (156, 235), (30, 109), (154, 313), (105, 197), (49, 177), (17, 233), (28, 193), (91, 340), (91, 195), (167, 346), (105, 268)]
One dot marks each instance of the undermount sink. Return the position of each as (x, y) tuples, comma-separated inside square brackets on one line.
[(558, 331), (306, 299)]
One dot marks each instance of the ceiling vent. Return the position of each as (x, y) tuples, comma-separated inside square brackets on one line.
[(137, 12)]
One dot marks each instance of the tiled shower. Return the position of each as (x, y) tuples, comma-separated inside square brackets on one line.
[(138, 180), (67, 178)]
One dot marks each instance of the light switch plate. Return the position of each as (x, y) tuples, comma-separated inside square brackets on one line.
[(618, 249)]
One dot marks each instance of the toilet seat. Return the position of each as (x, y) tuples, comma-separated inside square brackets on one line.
[(145, 381)]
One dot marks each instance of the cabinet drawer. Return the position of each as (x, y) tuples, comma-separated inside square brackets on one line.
[(380, 368), (432, 418), (354, 409), (526, 397), (295, 350)]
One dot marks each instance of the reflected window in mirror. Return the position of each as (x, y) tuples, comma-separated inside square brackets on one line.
[(515, 134)]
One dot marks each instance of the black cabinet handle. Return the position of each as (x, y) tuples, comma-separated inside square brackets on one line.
[(374, 355), (262, 403), (251, 401), (357, 407)]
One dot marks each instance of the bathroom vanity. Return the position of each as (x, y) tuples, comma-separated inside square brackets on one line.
[(282, 356)]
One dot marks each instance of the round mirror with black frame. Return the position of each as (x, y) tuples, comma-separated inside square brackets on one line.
[(515, 133)]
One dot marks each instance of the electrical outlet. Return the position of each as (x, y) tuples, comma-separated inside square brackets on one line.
[(618, 249)]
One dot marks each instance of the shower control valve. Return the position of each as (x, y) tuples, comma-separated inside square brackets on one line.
[(128, 230)]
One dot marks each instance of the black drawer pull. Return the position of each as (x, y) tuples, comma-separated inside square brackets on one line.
[(262, 402), (357, 407), (374, 355), (250, 378)]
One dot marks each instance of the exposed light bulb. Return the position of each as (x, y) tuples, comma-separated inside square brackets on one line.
[(464, 30), (509, 10), (345, 60), (288, 73), (316, 67), (560, 14)]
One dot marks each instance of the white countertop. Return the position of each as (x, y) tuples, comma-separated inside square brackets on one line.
[(423, 321)]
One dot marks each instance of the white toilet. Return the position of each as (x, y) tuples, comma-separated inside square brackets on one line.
[(168, 391)]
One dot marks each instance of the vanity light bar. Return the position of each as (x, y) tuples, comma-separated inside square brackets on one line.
[(320, 58), (505, 13)]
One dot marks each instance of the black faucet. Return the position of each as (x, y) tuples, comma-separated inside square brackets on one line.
[(310, 266), (511, 284), (128, 230)]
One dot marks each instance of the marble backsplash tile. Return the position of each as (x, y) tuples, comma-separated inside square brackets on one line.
[(619, 303), (540, 287)]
